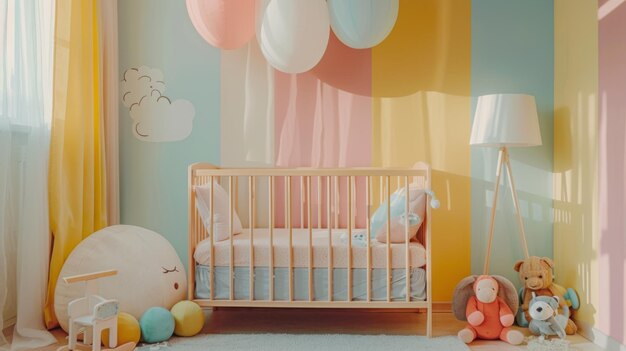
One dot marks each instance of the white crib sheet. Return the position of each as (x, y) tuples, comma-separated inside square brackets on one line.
[(202, 254)]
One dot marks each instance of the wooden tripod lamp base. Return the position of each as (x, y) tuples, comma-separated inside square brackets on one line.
[(503, 121), (504, 161)]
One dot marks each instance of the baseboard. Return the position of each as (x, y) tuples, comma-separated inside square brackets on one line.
[(599, 338), (442, 307), (438, 307)]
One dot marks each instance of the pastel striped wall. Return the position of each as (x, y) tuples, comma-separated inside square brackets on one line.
[(407, 100), (421, 85), (512, 52), (153, 176), (612, 163), (576, 221)]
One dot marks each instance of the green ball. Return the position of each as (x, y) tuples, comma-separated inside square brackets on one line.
[(157, 324), (188, 317)]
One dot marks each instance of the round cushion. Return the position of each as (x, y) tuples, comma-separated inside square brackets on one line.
[(157, 324), (189, 318), (149, 271), (127, 330)]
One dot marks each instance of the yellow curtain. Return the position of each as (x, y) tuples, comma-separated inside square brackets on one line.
[(76, 179)]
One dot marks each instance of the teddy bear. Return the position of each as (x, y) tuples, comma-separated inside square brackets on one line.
[(536, 275), (477, 300), (545, 320)]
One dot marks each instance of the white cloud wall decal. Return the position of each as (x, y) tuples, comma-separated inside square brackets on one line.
[(156, 117)]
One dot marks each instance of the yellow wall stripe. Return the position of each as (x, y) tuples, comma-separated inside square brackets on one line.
[(421, 112)]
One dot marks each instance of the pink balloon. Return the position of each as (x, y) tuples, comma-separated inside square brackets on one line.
[(226, 24)]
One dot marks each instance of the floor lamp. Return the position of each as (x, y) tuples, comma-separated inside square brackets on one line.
[(503, 121)]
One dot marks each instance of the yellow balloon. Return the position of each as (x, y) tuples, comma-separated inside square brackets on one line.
[(188, 317), (127, 330)]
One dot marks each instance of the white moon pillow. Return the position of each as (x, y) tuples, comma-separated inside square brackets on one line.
[(149, 271)]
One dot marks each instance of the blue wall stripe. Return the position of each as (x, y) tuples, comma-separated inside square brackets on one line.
[(513, 52), (153, 176)]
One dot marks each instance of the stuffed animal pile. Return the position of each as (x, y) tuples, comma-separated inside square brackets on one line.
[(536, 275)]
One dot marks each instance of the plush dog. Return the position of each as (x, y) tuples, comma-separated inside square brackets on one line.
[(486, 303), (545, 320), (536, 275)]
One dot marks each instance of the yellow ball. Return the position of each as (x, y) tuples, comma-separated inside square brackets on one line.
[(188, 317), (127, 330)]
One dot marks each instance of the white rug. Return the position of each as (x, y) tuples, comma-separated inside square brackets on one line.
[(307, 342)]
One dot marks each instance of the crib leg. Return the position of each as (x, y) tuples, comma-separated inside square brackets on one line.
[(429, 322)]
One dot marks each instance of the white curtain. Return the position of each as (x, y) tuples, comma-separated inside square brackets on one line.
[(247, 108), (26, 38)]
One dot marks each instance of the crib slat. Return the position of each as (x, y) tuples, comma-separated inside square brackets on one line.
[(251, 199), (230, 235), (271, 229), (381, 194), (212, 241), (290, 238), (308, 190), (319, 202), (429, 286), (388, 194), (349, 219), (192, 242), (286, 201), (236, 185), (337, 204), (330, 240), (406, 239), (355, 209), (302, 200), (369, 235)]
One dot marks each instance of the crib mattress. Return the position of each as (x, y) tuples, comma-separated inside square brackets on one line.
[(202, 254), (301, 290)]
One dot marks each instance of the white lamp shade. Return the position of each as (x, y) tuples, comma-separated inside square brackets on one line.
[(506, 120)]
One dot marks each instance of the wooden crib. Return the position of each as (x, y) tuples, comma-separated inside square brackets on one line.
[(304, 204)]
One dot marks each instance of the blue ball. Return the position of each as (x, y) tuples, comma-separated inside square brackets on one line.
[(157, 324)]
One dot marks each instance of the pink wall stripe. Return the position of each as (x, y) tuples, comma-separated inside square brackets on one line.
[(612, 209), (320, 121)]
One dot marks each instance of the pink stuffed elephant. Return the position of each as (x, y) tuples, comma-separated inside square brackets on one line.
[(488, 315)]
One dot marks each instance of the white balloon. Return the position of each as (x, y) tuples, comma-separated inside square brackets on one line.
[(294, 34), (362, 24), (261, 5)]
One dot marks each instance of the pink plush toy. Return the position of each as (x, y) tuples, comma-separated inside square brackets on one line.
[(489, 315)]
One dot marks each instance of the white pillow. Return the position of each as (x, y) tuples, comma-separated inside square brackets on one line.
[(417, 211), (220, 213)]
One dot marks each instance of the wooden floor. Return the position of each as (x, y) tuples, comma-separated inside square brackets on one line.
[(233, 321)]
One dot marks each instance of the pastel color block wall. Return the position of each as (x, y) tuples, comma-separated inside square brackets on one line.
[(153, 179), (512, 52), (421, 110), (406, 100), (576, 221), (612, 168), (590, 129)]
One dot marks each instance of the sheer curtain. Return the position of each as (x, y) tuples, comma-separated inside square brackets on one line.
[(26, 35)]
